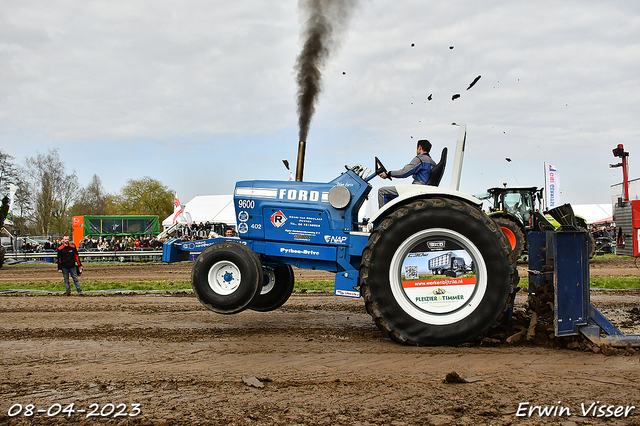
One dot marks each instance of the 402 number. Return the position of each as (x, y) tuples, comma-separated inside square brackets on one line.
[(246, 204)]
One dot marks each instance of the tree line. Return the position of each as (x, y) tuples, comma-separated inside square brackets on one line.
[(48, 195)]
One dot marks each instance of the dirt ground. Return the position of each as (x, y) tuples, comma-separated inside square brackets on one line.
[(121, 272), (318, 360)]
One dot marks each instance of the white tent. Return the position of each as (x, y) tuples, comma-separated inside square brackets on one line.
[(593, 212), (212, 208)]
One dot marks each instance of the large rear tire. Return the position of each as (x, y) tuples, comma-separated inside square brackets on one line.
[(514, 234), (414, 307), (276, 288), (227, 277)]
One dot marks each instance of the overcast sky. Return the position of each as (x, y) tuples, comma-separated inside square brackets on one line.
[(201, 94)]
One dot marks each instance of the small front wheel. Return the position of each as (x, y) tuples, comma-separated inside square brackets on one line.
[(276, 289), (227, 277)]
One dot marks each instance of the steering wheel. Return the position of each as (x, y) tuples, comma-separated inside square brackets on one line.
[(381, 169)]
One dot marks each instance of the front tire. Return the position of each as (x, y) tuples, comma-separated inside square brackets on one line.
[(227, 277), (415, 308)]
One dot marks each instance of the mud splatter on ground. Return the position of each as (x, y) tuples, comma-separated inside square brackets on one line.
[(320, 358)]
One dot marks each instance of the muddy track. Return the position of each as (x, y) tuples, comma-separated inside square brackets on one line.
[(319, 359), (120, 272)]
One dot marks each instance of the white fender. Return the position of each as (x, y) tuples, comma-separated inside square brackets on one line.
[(409, 192)]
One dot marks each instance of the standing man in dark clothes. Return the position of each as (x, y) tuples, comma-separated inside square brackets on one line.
[(68, 259)]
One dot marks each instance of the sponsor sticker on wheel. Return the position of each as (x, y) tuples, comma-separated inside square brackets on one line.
[(438, 276), (440, 296)]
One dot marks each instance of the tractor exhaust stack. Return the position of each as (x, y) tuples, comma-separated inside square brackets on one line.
[(302, 145)]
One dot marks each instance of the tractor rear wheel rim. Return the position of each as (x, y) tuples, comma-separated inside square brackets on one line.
[(419, 297), (510, 236), (224, 277)]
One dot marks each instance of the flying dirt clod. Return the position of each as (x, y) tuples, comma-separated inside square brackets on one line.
[(475, 80)]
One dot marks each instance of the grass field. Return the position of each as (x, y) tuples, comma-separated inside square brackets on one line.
[(300, 286)]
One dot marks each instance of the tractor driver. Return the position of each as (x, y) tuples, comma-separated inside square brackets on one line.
[(419, 168)]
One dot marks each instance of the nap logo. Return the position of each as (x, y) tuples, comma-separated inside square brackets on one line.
[(330, 239), (278, 219), (436, 245)]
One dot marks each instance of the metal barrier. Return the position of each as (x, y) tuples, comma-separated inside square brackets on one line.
[(94, 256)]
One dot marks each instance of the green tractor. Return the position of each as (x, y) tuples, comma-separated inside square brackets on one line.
[(513, 208)]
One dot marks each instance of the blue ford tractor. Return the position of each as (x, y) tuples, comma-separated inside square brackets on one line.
[(384, 259), (388, 260)]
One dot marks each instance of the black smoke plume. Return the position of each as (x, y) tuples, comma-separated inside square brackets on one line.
[(325, 23)]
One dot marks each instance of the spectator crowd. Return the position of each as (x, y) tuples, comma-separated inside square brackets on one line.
[(606, 230), (206, 230), (120, 243), (140, 242), (195, 231)]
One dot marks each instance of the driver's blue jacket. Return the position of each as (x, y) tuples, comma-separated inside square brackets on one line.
[(420, 168)]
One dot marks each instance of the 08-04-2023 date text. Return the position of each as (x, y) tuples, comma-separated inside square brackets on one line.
[(94, 410)]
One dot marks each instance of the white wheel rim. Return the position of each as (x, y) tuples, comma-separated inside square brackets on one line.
[(269, 281), (224, 277), (452, 315)]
